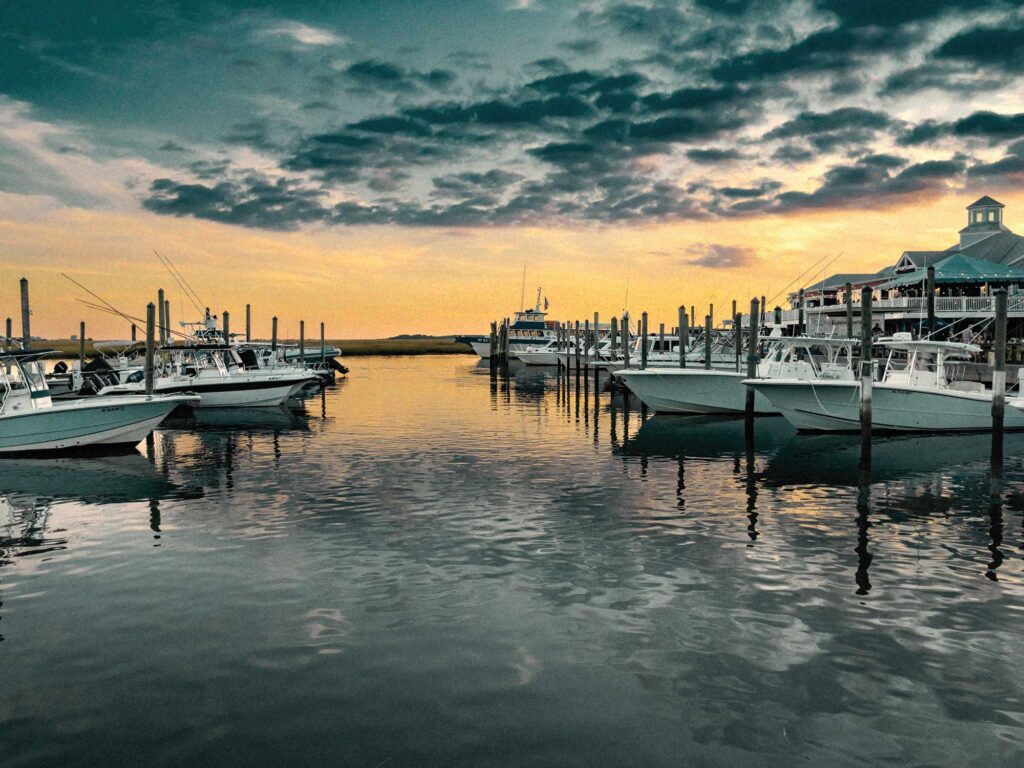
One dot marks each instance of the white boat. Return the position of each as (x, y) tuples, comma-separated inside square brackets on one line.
[(724, 391), (917, 393), (203, 371), (529, 328), (541, 354), (30, 421)]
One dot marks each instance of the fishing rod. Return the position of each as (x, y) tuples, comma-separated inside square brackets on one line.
[(184, 284), (798, 277), (132, 319)]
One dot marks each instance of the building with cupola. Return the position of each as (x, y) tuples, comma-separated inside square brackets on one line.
[(986, 256)]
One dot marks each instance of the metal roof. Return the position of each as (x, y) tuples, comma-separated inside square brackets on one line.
[(958, 268), (985, 202)]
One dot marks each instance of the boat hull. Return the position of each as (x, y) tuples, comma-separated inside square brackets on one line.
[(539, 358), (694, 390), (835, 407), (86, 423)]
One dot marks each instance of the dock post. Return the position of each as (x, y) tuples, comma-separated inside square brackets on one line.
[(802, 317), (752, 358), (81, 345), (323, 345), (167, 317), (576, 350), (930, 287), (586, 345), (7, 335), (248, 323), (494, 340), (764, 308), (778, 316), (161, 322), (684, 336), (737, 322), (135, 332), (26, 331), (615, 334), (227, 336), (693, 316), (733, 315), (849, 310), (150, 343), (707, 342), (302, 343), (643, 340), (711, 314), (661, 338), (866, 372), (625, 339), (999, 378), (273, 334)]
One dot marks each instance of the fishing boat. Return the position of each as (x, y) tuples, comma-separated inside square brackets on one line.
[(721, 390), (529, 328), (918, 392), (204, 370), (31, 421)]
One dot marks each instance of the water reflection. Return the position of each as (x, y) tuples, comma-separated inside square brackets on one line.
[(538, 568)]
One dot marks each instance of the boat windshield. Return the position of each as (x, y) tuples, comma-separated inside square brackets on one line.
[(13, 378), (35, 377)]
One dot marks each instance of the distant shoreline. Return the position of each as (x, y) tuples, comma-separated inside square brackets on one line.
[(441, 345)]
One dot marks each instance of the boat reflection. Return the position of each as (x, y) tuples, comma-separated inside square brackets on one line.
[(93, 480), (836, 459), (706, 437)]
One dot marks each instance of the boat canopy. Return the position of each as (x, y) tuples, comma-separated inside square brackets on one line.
[(947, 348), (28, 355), (960, 269)]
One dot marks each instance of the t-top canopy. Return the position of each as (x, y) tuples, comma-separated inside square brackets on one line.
[(959, 269)]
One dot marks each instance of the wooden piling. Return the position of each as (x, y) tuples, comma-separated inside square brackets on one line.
[(614, 335), (81, 344), (849, 310), (800, 306), (576, 343), (494, 341), (323, 345), (711, 314), (737, 325), (135, 332), (167, 317), (273, 334), (764, 308), (586, 346), (162, 322), (752, 359), (643, 340), (999, 366), (226, 318), (684, 336), (661, 338), (693, 316), (7, 334), (866, 367), (248, 323), (302, 342), (26, 312), (625, 339), (733, 315), (930, 288), (150, 343), (707, 342)]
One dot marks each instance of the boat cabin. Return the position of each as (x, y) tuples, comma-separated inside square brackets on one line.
[(23, 382)]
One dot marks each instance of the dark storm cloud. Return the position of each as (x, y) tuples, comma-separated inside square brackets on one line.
[(1008, 169), (825, 130), (714, 155), (990, 127), (388, 76), (254, 203), (718, 256)]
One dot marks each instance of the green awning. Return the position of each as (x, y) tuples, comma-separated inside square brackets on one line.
[(959, 269)]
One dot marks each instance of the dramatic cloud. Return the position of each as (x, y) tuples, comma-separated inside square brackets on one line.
[(607, 111)]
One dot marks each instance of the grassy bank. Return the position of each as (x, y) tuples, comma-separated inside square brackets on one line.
[(349, 347)]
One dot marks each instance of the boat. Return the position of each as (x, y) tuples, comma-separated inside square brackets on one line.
[(204, 370), (529, 328), (721, 390), (30, 421), (918, 392)]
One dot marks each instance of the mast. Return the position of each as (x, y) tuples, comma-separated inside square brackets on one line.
[(537, 306)]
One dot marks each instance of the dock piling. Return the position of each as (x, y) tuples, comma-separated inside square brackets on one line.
[(167, 317), (643, 340), (26, 312), (737, 322), (586, 346), (999, 375), (752, 359), (248, 323), (866, 369), (849, 310), (302, 342), (81, 345), (930, 288), (273, 334), (7, 334), (227, 332), (707, 342), (323, 345), (625, 339), (161, 321), (684, 336), (150, 343), (135, 332), (800, 307)]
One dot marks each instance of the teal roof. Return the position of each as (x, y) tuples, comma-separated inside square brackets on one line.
[(960, 268)]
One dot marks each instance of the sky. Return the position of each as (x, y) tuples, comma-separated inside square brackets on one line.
[(392, 166)]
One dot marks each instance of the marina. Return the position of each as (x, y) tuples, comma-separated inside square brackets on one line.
[(521, 383)]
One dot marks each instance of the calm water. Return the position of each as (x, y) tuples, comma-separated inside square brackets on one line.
[(428, 568)]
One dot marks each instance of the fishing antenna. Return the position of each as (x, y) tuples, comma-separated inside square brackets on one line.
[(109, 307), (134, 320)]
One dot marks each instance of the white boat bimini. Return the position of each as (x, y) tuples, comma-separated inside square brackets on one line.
[(30, 421), (724, 390), (917, 393)]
